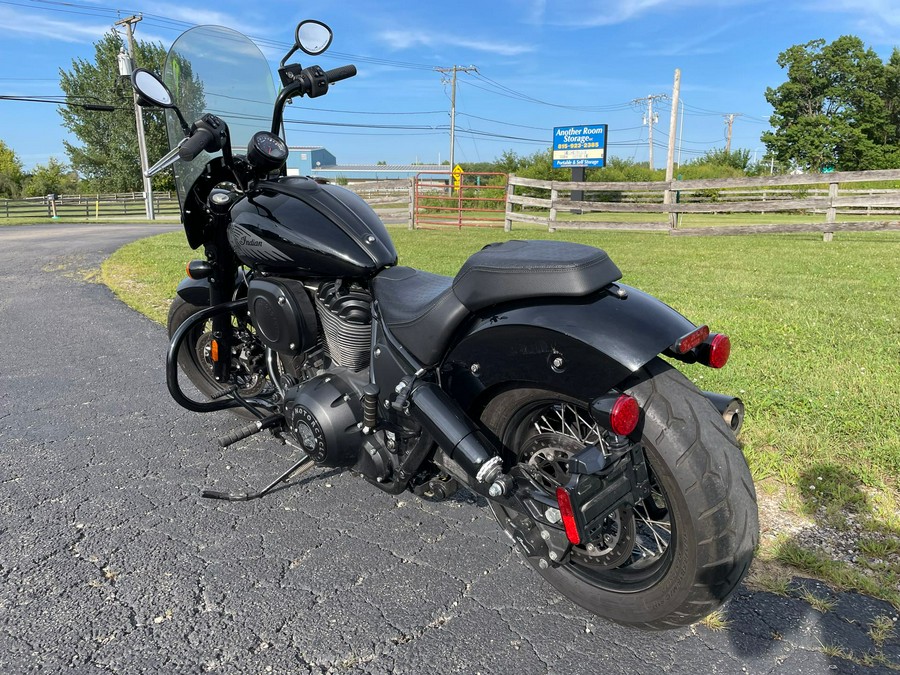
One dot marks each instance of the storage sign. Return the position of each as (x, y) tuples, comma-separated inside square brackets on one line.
[(583, 145)]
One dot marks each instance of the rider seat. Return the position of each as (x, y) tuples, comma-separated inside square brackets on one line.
[(422, 310)]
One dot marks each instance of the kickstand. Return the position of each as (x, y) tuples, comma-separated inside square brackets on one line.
[(301, 467)]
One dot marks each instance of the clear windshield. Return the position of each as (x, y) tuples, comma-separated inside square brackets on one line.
[(211, 69)]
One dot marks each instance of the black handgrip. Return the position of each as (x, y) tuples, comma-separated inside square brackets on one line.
[(341, 73), (240, 434), (197, 143)]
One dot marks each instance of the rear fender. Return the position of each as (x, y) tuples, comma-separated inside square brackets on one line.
[(581, 347)]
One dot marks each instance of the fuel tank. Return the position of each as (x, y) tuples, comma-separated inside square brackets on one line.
[(295, 226)]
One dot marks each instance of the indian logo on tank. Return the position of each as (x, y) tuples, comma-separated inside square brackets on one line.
[(248, 245)]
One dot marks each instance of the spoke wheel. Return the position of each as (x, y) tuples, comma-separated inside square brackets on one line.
[(675, 556), (631, 549)]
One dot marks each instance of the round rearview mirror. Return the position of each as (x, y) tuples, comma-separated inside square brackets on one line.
[(150, 88), (313, 37)]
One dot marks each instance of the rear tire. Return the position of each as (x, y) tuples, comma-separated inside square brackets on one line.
[(704, 515)]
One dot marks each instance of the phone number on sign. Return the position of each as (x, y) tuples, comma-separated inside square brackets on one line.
[(577, 146)]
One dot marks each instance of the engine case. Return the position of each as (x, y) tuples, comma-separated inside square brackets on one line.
[(324, 414), (283, 314)]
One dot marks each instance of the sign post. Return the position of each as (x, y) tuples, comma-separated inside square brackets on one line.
[(579, 147)]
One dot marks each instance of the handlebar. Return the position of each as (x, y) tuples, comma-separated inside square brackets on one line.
[(199, 141), (311, 82), (340, 73)]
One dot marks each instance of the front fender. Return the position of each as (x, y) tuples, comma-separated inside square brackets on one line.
[(581, 347), (196, 291)]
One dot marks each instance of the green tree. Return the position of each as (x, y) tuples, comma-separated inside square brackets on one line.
[(54, 177), (737, 159), (108, 155), (832, 111), (10, 172)]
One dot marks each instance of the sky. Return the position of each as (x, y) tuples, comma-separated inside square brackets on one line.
[(540, 64)]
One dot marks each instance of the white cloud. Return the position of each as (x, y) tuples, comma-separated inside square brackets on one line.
[(60, 30), (592, 13), (197, 16), (405, 39), (876, 19)]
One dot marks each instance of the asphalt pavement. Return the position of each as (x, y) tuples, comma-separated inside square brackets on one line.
[(110, 561)]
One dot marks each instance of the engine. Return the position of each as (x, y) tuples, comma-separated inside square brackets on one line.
[(283, 314), (287, 322), (346, 315)]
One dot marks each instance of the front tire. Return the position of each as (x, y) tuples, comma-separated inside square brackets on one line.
[(693, 541), (195, 361)]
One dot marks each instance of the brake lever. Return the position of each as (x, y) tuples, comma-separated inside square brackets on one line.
[(166, 160)]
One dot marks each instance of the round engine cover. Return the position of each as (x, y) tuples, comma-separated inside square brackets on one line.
[(323, 414), (283, 314)]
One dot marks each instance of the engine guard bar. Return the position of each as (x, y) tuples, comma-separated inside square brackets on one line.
[(235, 400)]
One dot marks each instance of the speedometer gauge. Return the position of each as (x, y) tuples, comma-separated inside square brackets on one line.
[(267, 151)]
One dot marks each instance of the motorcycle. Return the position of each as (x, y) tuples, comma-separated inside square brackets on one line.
[(532, 378)]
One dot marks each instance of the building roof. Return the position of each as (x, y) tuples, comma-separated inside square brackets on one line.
[(409, 168)]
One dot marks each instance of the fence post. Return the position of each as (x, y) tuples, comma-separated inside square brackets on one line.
[(551, 221), (831, 214), (412, 203), (510, 192)]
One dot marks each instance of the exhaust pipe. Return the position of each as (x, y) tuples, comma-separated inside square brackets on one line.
[(730, 407), (455, 432)]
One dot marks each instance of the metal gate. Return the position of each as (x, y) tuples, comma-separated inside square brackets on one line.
[(460, 198)]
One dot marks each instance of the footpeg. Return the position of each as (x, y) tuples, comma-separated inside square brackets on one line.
[(253, 428)]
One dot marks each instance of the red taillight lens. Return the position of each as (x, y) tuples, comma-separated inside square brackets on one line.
[(624, 416), (719, 351), (568, 515), (691, 340)]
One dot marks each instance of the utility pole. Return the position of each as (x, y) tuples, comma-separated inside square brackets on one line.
[(454, 70), (139, 118), (673, 126), (670, 156), (650, 118), (729, 120)]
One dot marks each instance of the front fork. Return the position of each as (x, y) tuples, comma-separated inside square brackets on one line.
[(221, 290)]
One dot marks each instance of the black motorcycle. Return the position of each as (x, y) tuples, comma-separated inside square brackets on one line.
[(532, 378)]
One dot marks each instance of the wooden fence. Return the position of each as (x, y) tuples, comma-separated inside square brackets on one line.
[(669, 201), (89, 207)]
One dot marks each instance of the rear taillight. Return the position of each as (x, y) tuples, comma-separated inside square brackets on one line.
[(619, 413), (568, 515), (716, 350), (624, 416), (691, 340)]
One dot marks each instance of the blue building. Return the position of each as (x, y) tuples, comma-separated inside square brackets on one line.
[(317, 161)]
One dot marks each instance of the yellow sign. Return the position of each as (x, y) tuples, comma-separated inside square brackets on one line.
[(457, 176)]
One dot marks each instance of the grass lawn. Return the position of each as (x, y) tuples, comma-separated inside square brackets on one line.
[(816, 358)]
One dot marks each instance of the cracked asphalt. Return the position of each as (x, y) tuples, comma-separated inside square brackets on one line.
[(111, 562)]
